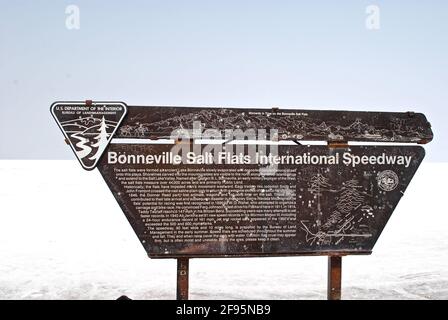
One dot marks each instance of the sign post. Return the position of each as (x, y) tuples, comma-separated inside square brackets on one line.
[(182, 278), (228, 182), (334, 277)]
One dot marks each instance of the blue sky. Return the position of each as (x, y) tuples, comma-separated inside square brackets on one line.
[(314, 54)]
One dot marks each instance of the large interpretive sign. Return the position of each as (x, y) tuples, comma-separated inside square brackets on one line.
[(222, 199), (231, 182)]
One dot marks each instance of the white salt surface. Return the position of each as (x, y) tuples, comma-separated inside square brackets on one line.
[(63, 236)]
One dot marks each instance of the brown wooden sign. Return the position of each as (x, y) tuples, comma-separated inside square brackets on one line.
[(263, 197), (316, 201)]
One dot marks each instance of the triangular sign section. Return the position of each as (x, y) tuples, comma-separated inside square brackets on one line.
[(88, 127)]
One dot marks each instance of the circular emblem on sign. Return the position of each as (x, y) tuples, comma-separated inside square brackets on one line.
[(387, 180)]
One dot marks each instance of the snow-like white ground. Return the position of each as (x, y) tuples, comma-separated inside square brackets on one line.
[(63, 236)]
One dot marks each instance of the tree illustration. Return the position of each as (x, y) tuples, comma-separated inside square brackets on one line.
[(351, 197), (101, 138), (319, 183)]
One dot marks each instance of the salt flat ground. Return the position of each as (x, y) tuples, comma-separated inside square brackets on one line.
[(63, 236)]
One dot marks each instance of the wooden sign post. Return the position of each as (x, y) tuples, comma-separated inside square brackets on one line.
[(182, 278)]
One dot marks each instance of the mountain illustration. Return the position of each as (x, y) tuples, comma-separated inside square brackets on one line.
[(87, 125)]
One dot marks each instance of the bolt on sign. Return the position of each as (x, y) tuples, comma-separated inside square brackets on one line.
[(230, 182)]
